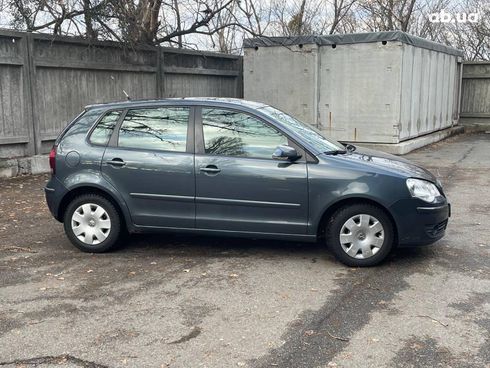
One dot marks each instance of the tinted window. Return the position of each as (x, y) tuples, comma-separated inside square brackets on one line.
[(163, 128), (233, 133), (103, 131)]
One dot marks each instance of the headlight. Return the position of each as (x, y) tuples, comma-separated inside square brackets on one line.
[(423, 189)]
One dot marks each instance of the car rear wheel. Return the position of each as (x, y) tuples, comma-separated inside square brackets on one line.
[(360, 235), (92, 223)]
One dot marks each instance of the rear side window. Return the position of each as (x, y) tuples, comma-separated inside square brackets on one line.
[(162, 129), (234, 133), (103, 131)]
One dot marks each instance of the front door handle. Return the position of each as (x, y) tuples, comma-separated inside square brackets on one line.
[(116, 162), (210, 169)]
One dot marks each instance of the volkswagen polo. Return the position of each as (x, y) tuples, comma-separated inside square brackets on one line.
[(236, 168)]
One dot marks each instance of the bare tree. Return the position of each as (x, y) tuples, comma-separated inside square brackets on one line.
[(296, 25), (341, 9), (387, 15), (245, 18), (222, 24)]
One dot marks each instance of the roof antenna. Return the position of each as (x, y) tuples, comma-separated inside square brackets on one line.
[(125, 93), (127, 96)]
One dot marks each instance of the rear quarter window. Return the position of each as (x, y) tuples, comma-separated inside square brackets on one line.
[(79, 128), (102, 133)]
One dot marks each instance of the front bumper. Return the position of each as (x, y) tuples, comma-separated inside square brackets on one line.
[(419, 223)]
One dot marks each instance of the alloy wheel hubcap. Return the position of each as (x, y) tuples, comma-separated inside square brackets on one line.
[(362, 236), (91, 223)]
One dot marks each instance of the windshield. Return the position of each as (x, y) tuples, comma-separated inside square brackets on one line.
[(308, 132)]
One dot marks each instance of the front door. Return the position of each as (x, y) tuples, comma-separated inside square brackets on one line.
[(239, 187), (150, 161)]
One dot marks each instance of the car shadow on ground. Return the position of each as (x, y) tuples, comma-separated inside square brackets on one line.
[(229, 247)]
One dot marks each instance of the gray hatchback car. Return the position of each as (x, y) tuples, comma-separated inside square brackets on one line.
[(236, 168)]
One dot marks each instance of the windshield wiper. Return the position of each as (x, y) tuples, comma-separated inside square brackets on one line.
[(335, 152)]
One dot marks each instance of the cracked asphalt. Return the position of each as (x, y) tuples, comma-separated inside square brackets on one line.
[(186, 301)]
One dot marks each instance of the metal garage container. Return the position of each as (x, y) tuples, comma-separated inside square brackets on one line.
[(384, 87)]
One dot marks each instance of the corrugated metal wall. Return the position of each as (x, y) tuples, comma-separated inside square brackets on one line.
[(378, 92), (429, 91), (46, 81)]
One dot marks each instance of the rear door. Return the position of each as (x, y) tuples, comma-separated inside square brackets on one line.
[(150, 161), (239, 186)]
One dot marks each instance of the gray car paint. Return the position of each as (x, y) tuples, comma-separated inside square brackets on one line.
[(159, 190)]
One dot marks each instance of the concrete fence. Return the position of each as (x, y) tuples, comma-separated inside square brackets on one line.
[(475, 96), (46, 81)]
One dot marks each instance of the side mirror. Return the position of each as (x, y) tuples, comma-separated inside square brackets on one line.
[(285, 153)]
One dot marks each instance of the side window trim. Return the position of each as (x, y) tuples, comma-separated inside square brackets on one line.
[(199, 134), (115, 134), (190, 130), (114, 141)]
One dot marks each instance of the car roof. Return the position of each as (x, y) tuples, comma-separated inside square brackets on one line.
[(215, 101)]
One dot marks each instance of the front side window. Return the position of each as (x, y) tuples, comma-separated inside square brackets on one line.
[(163, 128), (307, 131), (103, 131), (234, 133)]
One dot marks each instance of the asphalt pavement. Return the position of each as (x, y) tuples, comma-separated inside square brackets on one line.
[(187, 301)]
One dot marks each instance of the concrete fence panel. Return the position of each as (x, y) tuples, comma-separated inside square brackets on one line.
[(475, 96), (16, 129), (45, 81)]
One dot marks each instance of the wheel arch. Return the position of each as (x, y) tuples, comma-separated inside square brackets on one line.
[(331, 209), (93, 189)]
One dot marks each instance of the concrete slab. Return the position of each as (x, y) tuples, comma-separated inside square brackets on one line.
[(474, 125), (38, 164), (405, 147)]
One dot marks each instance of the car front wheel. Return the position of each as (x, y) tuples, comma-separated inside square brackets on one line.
[(92, 223), (360, 235)]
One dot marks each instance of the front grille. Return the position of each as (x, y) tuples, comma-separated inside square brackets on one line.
[(436, 230)]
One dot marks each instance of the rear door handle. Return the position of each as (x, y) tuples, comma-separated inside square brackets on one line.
[(211, 169), (116, 162)]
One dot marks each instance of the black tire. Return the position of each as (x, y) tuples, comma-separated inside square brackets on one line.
[(114, 234), (341, 216)]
